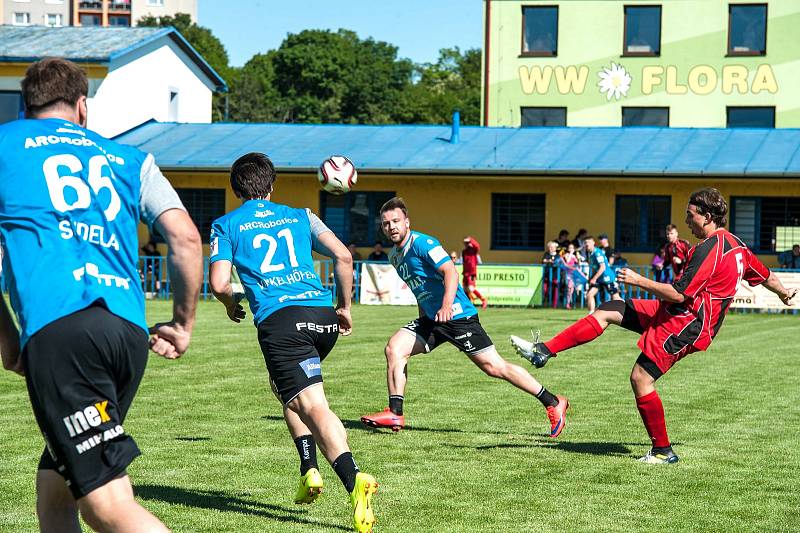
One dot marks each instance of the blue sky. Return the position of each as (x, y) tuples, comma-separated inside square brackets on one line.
[(419, 28)]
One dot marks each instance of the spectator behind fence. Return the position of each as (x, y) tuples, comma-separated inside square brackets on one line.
[(550, 271), (660, 274), (152, 266), (562, 241), (790, 258), (378, 254), (354, 252), (569, 263), (455, 258), (578, 241)]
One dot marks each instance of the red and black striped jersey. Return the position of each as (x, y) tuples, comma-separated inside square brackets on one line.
[(679, 249), (714, 270)]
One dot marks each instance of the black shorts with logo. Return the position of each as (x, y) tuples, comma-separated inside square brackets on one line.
[(295, 340), (466, 334), (82, 373)]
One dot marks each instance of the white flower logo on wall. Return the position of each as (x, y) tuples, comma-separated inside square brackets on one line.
[(614, 81)]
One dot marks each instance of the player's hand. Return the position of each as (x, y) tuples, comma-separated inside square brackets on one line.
[(626, 275), (787, 297), (169, 340), (345, 321), (445, 314)]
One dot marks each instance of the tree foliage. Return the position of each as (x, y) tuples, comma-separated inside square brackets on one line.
[(322, 76)]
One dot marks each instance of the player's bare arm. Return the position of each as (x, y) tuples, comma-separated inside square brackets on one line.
[(598, 274), (662, 291), (774, 285), (9, 340), (219, 278), (185, 264), (329, 245), (450, 279)]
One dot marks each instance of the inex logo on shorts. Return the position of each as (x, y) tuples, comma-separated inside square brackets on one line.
[(90, 417), (311, 366)]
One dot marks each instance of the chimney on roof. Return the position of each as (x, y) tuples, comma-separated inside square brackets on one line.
[(455, 134)]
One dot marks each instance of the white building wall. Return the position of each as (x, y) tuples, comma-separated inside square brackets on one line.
[(140, 91), (140, 8)]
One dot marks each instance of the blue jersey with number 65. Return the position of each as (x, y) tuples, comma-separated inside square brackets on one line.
[(270, 246), (69, 210)]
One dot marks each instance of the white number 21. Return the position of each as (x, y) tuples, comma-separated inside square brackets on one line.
[(272, 247)]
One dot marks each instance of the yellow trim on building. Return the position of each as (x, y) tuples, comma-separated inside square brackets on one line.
[(17, 70)]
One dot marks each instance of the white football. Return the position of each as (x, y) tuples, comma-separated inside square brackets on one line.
[(337, 174)]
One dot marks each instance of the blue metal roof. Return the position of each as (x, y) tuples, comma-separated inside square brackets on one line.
[(90, 44), (426, 149)]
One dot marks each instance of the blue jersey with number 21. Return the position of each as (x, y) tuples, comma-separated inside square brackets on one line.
[(69, 210), (270, 246), (417, 263)]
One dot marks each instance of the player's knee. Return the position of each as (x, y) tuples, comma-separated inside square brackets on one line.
[(97, 513), (640, 379), (393, 354), (495, 369)]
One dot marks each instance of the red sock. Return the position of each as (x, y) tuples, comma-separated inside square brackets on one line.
[(584, 330), (479, 295), (652, 412)]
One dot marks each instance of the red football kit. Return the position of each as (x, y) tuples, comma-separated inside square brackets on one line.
[(714, 269), (679, 249)]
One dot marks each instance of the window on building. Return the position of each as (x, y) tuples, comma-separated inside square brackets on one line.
[(11, 106), (747, 30), (640, 222), (172, 109), (22, 19), (642, 31), (119, 20), (543, 116), (204, 206), (766, 224), (645, 116), (518, 221), (751, 117), (55, 20), (540, 30), (90, 20), (355, 217)]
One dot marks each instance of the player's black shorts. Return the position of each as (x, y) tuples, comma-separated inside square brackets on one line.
[(466, 334), (82, 373), (295, 340), (609, 289)]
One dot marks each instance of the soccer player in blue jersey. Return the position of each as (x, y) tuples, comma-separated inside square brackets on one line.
[(270, 245), (602, 277), (445, 315), (70, 201)]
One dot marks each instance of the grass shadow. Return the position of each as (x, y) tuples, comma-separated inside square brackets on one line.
[(221, 501), (192, 439), (359, 425)]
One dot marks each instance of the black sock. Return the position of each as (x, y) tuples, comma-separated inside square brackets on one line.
[(396, 404), (665, 451), (307, 449), (542, 347), (547, 399), (345, 467)]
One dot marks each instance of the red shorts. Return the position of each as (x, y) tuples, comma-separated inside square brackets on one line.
[(667, 330), (469, 280)]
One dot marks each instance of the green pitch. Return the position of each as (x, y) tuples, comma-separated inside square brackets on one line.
[(217, 456)]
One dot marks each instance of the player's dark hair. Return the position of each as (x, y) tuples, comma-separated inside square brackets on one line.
[(709, 201), (52, 81), (252, 176), (394, 203), (671, 227), (563, 232)]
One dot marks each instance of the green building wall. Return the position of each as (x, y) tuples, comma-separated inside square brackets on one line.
[(693, 75)]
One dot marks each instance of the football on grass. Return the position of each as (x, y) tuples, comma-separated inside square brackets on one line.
[(337, 174)]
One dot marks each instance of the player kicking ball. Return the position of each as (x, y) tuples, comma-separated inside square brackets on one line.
[(270, 244), (683, 319), (445, 315)]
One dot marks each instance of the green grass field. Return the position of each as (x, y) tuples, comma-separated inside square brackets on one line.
[(217, 456)]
